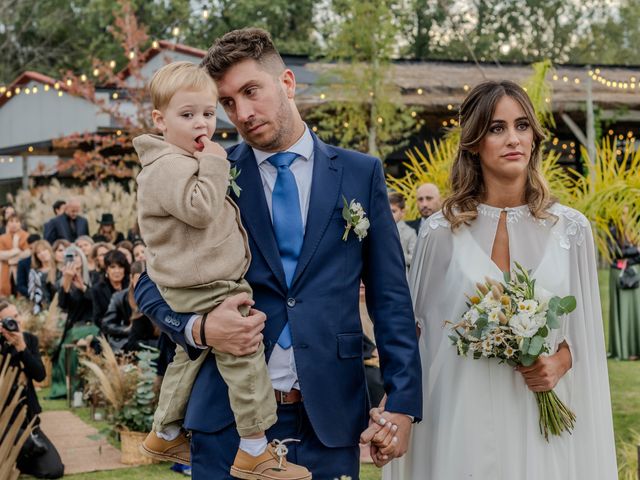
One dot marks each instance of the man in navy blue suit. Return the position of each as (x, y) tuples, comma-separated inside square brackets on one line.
[(68, 225), (308, 294)]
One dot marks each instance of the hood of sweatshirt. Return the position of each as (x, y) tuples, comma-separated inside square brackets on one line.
[(152, 147)]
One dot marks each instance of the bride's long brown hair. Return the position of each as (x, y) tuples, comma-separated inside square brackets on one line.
[(467, 183)]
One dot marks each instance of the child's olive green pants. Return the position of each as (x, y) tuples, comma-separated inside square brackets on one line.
[(250, 391)]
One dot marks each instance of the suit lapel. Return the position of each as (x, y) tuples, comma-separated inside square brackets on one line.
[(325, 189), (254, 210)]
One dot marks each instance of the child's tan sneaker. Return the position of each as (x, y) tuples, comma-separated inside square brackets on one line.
[(271, 465), (176, 450)]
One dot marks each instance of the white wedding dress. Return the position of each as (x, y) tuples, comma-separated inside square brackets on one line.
[(480, 420)]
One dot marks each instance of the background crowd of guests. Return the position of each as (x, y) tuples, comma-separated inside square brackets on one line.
[(88, 279)]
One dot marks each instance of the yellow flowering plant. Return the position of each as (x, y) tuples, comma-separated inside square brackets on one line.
[(511, 321)]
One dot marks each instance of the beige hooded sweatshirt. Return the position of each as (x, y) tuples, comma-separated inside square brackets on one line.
[(192, 229)]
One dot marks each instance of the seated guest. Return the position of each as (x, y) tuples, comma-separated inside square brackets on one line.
[(114, 279), (74, 297), (43, 276), (139, 251), (99, 250), (107, 230), (133, 235), (58, 209), (24, 265), (59, 247), (38, 457), (123, 325), (69, 225), (86, 243), (126, 247), (13, 248), (6, 211)]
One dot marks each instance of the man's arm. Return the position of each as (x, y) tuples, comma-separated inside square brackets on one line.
[(151, 303), (389, 304), (226, 330)]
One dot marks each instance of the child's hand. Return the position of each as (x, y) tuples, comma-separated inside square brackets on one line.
[(210, 147)]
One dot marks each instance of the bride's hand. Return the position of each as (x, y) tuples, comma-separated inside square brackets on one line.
[(546, 372)]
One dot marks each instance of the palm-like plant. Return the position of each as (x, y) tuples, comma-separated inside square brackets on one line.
[(609, 195), (12, 438)]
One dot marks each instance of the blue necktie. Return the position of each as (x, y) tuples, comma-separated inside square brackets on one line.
[(287, 223)]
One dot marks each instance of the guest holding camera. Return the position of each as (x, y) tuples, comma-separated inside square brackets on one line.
[(74, 297), (43, 276), (38, 456)]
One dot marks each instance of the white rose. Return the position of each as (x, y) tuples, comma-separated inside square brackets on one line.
[(361, 228), (524, 325)]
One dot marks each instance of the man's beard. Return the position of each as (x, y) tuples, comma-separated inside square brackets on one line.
[(283, 128)]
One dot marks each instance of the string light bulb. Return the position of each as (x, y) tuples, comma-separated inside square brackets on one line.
[(175, 32)]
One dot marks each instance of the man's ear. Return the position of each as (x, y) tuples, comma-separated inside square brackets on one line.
[(288, 80), (158, 120)]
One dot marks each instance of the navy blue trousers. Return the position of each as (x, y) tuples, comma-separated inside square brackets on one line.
[(212, 453)]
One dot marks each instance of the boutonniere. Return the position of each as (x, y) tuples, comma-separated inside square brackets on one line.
[(356, 218), (234, 173)]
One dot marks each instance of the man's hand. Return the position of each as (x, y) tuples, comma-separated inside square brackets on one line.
[(546, 372), (226, 330), (388, 433), (210, 147)]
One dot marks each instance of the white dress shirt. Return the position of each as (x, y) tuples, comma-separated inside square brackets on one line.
[(281, 366)]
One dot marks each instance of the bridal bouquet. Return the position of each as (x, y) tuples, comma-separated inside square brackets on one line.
[(510, 321)]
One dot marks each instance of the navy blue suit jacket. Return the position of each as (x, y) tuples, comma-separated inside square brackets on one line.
[(322, 303), (58, 227), (22, 276)]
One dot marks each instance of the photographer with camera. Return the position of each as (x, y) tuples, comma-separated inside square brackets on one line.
[(38, 456), (74, 297)]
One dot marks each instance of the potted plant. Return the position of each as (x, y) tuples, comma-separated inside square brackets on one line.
[(128, 389)]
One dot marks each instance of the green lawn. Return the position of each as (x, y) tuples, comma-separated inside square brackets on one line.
[(625, 392)]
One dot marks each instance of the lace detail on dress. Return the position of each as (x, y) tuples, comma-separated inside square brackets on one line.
[(435, 221), (514, 215), (575, 226)]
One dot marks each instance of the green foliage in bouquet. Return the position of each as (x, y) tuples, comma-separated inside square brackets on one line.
[(511, 321)]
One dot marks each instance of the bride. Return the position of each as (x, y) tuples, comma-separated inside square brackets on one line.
[(480, 417)]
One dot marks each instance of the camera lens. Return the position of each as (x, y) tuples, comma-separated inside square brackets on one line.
[(10, 324)]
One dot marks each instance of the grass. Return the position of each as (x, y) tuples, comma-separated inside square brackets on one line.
[(624, 379)]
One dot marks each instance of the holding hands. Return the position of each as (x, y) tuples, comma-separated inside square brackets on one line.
[(388, 433)]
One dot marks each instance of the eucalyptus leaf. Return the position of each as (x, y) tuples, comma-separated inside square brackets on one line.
[(535, 346), (568, 304)]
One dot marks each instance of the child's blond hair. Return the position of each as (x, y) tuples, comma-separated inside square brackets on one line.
[(178, 76)]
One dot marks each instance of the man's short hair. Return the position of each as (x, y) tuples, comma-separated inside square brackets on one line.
[(238, 45), (57, 204), (178, 76), (33, 238), (397, 199)]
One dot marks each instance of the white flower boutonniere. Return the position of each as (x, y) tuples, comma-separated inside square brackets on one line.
[(355, 216), (234, 173)]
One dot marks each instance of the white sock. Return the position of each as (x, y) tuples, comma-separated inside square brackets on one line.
[(253, 446), (169, 433)]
